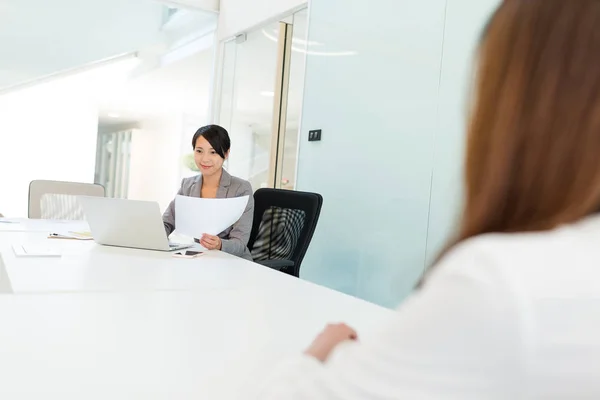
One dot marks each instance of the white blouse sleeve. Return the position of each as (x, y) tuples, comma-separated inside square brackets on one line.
[(459, 337)]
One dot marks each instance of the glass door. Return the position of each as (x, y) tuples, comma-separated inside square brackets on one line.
[(295, 95), (249, 71), (260, 101)]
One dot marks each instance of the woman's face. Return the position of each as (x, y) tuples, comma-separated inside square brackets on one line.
[(206, 158)]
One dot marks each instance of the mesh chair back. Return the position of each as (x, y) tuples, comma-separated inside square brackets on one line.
[(284, 223), (278, 234)]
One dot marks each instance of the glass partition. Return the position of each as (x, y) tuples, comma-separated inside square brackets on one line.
[(260, 101)]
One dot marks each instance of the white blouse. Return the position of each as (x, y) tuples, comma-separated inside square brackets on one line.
[(513, 316)]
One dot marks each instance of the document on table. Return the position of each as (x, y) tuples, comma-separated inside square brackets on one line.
[(71, 235), (35, 251), (195, 216)]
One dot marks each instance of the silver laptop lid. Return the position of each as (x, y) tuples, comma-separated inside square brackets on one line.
[(125, 223)]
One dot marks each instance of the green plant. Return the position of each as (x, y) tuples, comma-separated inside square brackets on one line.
[(189, 163)]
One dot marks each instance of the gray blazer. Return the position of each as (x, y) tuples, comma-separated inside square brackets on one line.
[(235, 238)]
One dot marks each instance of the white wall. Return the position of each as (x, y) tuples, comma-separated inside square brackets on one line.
[(189, 126), (155, 160), (49, 131), (237, 16), (46, 132), (170, 104)]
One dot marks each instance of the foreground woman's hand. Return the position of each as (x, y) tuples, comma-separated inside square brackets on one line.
[(332, 335)]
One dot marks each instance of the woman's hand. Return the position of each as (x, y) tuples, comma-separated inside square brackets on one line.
[(328, 340), (211, 242)]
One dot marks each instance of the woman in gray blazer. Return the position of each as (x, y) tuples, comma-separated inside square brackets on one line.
[(211, 146)]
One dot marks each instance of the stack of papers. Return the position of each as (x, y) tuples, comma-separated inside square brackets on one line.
[(35, 251)]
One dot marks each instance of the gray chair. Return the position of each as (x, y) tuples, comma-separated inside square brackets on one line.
[(58, 200)]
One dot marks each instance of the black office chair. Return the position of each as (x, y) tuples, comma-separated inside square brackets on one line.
[(284, 224)]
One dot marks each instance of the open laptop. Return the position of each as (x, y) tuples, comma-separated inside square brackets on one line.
[(127, 223)]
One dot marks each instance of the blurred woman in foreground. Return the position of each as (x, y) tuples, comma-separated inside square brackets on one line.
[(512, 309)]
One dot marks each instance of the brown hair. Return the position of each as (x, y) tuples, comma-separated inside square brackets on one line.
[(533, 146)]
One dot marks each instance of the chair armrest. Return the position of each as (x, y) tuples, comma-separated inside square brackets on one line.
[(277, 264)]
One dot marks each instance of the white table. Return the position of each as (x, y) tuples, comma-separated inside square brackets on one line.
[(88, 267), (144, 325), (40, 225), (162, 345)]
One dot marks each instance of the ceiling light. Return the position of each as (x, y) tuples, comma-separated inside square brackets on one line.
[(101, 74), (294, 40), (312, 52), (326, 53), (113, 115)]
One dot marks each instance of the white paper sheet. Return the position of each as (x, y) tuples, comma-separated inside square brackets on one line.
[(35, 251), (195, 216), (83, 235)]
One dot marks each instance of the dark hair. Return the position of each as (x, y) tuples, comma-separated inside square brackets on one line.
[(217, 136), (533, 141)]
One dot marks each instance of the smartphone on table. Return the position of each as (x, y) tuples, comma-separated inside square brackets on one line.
[(188, 254)]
